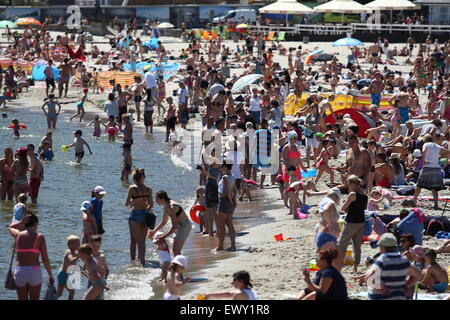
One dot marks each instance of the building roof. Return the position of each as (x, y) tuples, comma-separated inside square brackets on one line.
[(430, 2)]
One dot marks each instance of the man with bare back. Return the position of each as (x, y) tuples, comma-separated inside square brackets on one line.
[(66, 70), (358, 162), (375, 88), (400, 101)]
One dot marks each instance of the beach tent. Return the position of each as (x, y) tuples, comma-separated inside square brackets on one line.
[(343, 6), (124, 78), (165, 25), (363, 121), (7, 23), (38, 71), (286, 7), (166, 69), (152, 43), (392, 5)]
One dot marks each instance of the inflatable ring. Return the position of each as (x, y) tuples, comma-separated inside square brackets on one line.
[(194, 213), (21, 125)]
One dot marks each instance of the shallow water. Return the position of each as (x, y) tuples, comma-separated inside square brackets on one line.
[(66, 185)]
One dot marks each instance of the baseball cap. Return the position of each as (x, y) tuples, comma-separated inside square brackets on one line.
[(387, 240), (417, 153), (99, 190), (180, 260), (292, 135), (85, 205)]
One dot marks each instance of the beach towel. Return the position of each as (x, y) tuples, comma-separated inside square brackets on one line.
[(79, 55), (442, 235)]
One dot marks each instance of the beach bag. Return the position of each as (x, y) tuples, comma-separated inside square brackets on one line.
[(434, 226), (367, 227), (10, 283), (309, 133), (150, 220), (50, 294), (406, 191)]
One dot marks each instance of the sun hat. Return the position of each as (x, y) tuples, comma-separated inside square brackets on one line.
[(180, 260), (346, 116), (99, 190), (387, 240), (85, 206), (419, 251), (417, 153)]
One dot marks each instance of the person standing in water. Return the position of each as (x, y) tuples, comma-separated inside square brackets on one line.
[(127, 129), (79, 144), (6, 175), (36, 173), (51, 113), (127, 162), (97, 129), (19, 170), (80, 105), (181, 225), (97, 207), (141, 202), (70, 259)]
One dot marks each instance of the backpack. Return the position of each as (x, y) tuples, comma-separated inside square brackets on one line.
[(434, 226), (406, 191)]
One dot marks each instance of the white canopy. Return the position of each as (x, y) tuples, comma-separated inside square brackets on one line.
[(392, 5), (286, 7), (343, 6)]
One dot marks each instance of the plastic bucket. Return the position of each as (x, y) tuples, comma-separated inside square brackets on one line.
[(278, 237), (309, 174)]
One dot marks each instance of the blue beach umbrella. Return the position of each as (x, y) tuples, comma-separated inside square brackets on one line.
[(348, 42), (38, 72)]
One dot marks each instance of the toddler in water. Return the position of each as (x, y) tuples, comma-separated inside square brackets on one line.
[(79, 144), (163, 253), (96, 122), (127, 162), (95, 243), (46, 153), (200, 200), (112, 129), (15, 128), (175, 280), (70, 259)]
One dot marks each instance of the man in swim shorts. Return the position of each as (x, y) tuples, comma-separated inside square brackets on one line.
[(375, 88), (36, 173), (401, 102)]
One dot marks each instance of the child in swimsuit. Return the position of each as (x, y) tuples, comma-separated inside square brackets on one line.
[(175, 280), (92, 271), (111, 129), (127, 162), (200, 200), (322, 161), (70, 259), (247, 186), (80, 105), (79, 144), (164, 255), (89, 222), (96, 122), (292, 191), (15, 128), (95, 242)]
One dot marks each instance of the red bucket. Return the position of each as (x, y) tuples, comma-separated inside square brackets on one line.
[(278, 237)]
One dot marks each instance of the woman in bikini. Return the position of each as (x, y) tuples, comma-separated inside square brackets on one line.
[(29, 245), (141, 202), (292, 157), (181, 225), (322, 161), (6, 176), (161, 94), (19, 169)]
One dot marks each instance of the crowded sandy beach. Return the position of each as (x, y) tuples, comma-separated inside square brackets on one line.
[(203, 168)]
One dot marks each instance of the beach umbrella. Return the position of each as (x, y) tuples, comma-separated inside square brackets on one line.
[(286, 7), (313, 55), (165, 25), (245, 81), (25, 21), (348, 42), (342, 6), (7, 23), (392, 5)]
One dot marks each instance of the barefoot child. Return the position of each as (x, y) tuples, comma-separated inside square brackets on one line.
[(80, 105), (97, 122), (247, 186), (92, 270), (15, 128), (163, 253), (96, 243), (89, 223), (322, 161), (70, 259), (127, 162), (79, 144), (175, 280), (112, 129), (200, 200)]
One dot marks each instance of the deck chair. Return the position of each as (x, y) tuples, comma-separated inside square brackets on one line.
[(198, 34), (281, 36), (270, 36)]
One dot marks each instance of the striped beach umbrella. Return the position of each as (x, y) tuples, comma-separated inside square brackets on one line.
[(313, 55), (25, 21), (245, 81)]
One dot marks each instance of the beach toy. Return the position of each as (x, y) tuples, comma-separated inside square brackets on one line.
[(301, 215), (64, 148), (348, 260), (194, 213), (319, 135), (312, 266), (21, 125), (304, 208), (201, 297), (442, 162), (309, 174), (278, 237)]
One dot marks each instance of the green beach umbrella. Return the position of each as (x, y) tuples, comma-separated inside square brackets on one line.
[(5, 23)]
